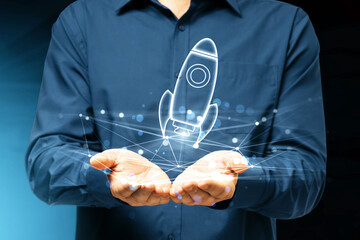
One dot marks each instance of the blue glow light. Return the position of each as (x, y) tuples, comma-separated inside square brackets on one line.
[(139, 117)]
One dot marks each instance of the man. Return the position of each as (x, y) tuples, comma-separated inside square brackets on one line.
[(108, 64)]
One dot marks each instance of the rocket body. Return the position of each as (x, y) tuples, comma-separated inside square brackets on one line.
[(189, 107)]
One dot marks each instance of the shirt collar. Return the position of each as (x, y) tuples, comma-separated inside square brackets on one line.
[(119, 4)]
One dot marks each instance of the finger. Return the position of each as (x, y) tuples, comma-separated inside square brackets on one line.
[(201, 197), (217, 189), (106, 159), (154, 199), (120, 186), (163, 189), (175, 200), (143, 193), (165, 200), (186, 199), (238, 163)]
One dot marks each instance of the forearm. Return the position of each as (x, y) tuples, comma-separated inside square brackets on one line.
[(283, 185), (59, 173)]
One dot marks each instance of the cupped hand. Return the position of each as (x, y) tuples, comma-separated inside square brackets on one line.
[(134, 179), (211, 179)]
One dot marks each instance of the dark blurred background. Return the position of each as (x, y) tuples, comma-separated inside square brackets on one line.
[(24, 37)]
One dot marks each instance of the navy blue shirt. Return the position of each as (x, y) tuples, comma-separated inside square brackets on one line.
[(108, 64)]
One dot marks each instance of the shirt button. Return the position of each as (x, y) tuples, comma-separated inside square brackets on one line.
[(171, 237), (181, 27)]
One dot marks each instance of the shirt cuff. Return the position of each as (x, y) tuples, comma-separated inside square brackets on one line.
[(98, 188), (249, 192)]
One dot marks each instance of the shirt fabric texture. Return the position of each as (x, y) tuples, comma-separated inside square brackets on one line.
[(108, 57)]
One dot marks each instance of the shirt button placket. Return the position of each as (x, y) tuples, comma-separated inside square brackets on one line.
[(181, 50)]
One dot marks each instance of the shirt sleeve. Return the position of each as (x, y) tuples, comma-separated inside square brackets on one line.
[(288, 181), (63, 139)]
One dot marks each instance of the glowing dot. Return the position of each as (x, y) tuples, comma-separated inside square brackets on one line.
[(217, 123), (251, 166), (229, 118), (275, 110), (237, 148), (257, 123), (240, 108), (242, 161), (133, 188), (228, 178), (236, 160), (274, 149), (263, 119), (106, 143), (287, 131), (190, 115), (183, 134), (182, 109), (102, 111), (196, 145), (178, 166), (217, 101), (166, 137), (226, 105), (199, 118), (121, 115), (124, 148), (141, 152), (197, 199), (166, 142), (234, 140), (140, 133), (87, 118), (89, 155), (139, 118), (212, 164), (163, 153), (227, 189), (249, 111), (80, 115), (179, 196)]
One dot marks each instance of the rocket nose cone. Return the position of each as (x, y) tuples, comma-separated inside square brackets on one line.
[(206, 46)]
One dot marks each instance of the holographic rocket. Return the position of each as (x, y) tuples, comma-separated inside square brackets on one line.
[(188, 107)]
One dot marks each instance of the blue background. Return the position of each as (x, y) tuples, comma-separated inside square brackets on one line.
[(24, 37)]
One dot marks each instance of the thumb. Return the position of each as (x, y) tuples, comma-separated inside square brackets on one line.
[(106, 159), (238, 163)]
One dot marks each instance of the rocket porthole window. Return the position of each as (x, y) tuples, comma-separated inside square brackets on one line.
[(198, 76)]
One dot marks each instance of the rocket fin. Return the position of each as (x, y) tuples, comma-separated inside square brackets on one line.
[(208, 123), (164, 110)]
